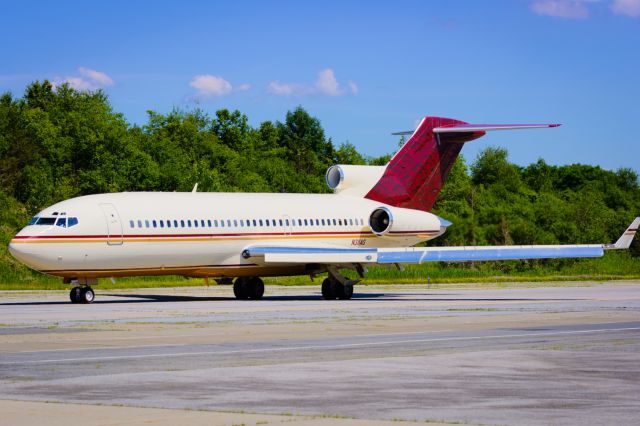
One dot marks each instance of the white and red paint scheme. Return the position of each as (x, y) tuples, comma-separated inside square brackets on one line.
[(375, 216)]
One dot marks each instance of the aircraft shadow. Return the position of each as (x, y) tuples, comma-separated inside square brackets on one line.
[(382, 297)]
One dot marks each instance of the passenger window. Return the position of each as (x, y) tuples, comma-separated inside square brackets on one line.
[(155, 225), (146, 222), (182, 223), (280, 222), (215, 223), (162, 224), (267, 222), (188, 223), (322, 222), (202, 223), (235, 223), (260, 222), (351, 222), (228, 223), (305, 222), (334, 222), (287, 222), (132, 224), (62, 222), (222, 223), (175, 223), (139, 224), (72, 221), (255, 223), (195, 223), (209, 223), (168, 224)]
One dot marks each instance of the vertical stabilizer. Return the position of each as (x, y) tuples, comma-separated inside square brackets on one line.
[(414, 176)]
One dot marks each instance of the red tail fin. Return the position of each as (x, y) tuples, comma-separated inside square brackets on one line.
[(415, 175)]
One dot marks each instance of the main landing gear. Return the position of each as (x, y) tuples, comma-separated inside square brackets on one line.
[(248, 288), (336, 286), (333, 289), (82, 294)]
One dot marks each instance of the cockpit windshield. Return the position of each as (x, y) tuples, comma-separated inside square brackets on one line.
[(63, 222)]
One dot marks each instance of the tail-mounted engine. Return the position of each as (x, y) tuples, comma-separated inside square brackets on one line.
[(386, 220), (353, 180)]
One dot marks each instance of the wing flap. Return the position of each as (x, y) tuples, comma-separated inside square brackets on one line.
[(486, 253)]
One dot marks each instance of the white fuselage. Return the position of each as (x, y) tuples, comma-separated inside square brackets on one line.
[(202, 234)]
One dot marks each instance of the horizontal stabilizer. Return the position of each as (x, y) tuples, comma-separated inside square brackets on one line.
[(489, 127), (459, 128)]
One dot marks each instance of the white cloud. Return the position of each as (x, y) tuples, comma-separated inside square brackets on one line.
[(353, 87), (629, 8), (325, 84), (209, 86), (87, 79), (572, 9), (288, 89)]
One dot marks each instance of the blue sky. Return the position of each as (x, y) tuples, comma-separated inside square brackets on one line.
[(365, 69)]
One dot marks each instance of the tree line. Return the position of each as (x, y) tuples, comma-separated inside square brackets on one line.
[(58, 143)]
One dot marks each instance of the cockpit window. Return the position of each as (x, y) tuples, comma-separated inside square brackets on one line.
[(46, 221), (58, 221)]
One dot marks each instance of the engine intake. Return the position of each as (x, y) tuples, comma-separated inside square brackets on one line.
[(381, 220), (351, 180)]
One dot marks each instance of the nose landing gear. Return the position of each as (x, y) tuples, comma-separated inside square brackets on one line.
[(82, 294)]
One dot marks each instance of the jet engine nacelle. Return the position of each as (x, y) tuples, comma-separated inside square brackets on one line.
[(385, 220), (353, 180)]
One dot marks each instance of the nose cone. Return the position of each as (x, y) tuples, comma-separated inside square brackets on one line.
[(18, 251), (29, 254)]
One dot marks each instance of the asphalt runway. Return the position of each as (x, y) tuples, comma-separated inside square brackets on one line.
[(539, 355)]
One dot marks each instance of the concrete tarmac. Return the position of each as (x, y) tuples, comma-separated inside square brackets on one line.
[(523, 355)]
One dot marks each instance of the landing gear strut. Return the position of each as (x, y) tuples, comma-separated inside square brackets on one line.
[(248, 288), (82, 294)]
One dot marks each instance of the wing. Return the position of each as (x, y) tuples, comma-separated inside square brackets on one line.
[(417, 255)]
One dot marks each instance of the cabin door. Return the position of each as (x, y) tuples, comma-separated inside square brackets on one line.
[(114, 225)]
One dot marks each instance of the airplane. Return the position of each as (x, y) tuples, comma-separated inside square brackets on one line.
[(376, 215)]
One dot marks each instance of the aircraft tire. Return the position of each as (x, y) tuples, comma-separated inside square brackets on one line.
[(87, 295), (75, 294), (242, 288), (345, 292), (329, 289), (255, 288)]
